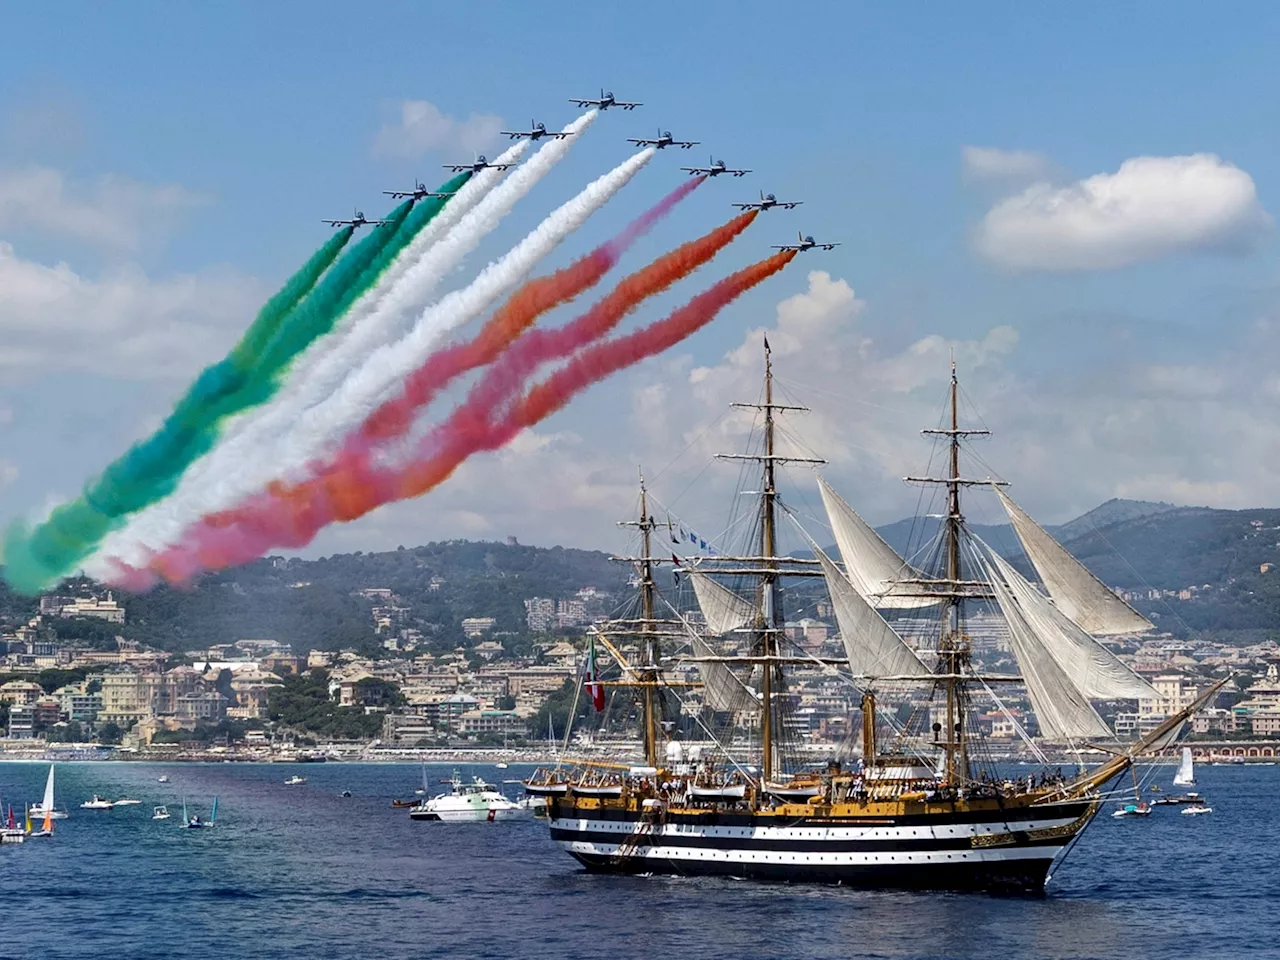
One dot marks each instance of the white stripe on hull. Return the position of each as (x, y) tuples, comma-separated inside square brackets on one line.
[(802, 858), (949, 831)]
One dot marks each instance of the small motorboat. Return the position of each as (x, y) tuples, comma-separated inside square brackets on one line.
[(97, 803), (468, 802), (163, 778), (401, 804), (127, 802), (295, 780), (160, 813), (1195, 809), (345, 793), (1139, 809)]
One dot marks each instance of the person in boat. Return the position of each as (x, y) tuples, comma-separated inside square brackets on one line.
[(195, 821)]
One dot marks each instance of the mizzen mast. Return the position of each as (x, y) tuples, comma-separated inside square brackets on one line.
[(650, 647)]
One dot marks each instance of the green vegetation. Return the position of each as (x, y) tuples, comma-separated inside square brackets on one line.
[(303, 703)]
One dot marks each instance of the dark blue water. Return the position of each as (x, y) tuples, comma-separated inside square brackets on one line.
[(301, 872)]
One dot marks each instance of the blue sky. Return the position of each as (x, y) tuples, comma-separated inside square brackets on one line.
[(263, 118)]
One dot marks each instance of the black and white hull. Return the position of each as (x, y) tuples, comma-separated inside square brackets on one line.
[(959, 850)]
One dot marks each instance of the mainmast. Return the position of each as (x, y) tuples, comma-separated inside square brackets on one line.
[(954, 647), (770, 621)]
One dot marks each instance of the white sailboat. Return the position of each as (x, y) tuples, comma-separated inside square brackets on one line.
[(45, 808), (1186, 775)]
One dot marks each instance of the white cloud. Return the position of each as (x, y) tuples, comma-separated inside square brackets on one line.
[(122, 324), (420, 127), (1150, 207), (991, 164), (112, 212), (8, 473)]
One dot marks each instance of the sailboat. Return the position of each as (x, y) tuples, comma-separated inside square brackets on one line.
[(1186, 775), (927, 809), (11, 832), (45, 809), (194, 821)]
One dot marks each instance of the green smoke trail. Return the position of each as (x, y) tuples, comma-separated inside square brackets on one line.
[(306, 308)]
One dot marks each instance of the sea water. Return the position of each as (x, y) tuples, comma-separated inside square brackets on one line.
[(301, 871)]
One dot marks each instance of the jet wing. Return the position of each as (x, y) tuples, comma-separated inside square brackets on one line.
[(626, 106), (786, 246), (828, 246), (338, 223), (685, 144), (642, 142), (589, 103), (790, 204)]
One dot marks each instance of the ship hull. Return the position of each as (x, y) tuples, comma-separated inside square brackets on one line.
[(991, 850)]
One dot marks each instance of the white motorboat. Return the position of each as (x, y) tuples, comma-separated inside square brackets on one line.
[(1186, 775), (1195, 809), (127, 801), (97, 803), (163, 778), (474, 801), (1139, 809), (45, 808), (502, 764), (295, 780), (160, 813)]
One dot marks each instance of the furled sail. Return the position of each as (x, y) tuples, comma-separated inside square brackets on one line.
[(723, 609), (1063, 711), (1077, 592), (873, 567), (1092, 668), (873, 647)]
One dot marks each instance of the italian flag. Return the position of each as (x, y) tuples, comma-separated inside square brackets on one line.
[(594, 687)]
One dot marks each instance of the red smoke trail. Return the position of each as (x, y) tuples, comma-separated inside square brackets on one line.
[(515, 316), (291, 516)]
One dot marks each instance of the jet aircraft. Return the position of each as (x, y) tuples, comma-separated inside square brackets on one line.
[(605, 101), (713, 169), (536, 131), (480, 163), (806, 243), (664, 139), (767, 201), (358, 220), (419, 192)]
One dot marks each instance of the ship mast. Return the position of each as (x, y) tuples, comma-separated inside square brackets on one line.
[(954, 648), (770, 621), (651, 652)]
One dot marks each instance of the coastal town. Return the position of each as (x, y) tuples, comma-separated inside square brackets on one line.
[(502, 692)]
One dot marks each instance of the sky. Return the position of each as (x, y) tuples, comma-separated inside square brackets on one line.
[(1076, 203)]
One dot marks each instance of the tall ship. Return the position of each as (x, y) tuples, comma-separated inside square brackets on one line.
[(926, 803)]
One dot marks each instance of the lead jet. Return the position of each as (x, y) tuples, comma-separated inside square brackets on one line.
[(358, 220), (536, 131), (713, 169), (806, 243), (768, 201), (480, 163), (419, 192), (664, 140), (605, 101)]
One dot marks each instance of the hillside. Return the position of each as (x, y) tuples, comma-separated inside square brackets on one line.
[(315, 603)]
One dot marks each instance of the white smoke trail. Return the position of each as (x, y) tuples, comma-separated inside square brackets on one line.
[(237, 465)]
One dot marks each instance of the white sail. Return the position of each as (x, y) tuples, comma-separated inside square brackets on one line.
[(1077, 592), (723, 609), (872, 566), (1092, 668), (873, 647), (721, 688), (47, 803), (1063, 711), (1186, 775)]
